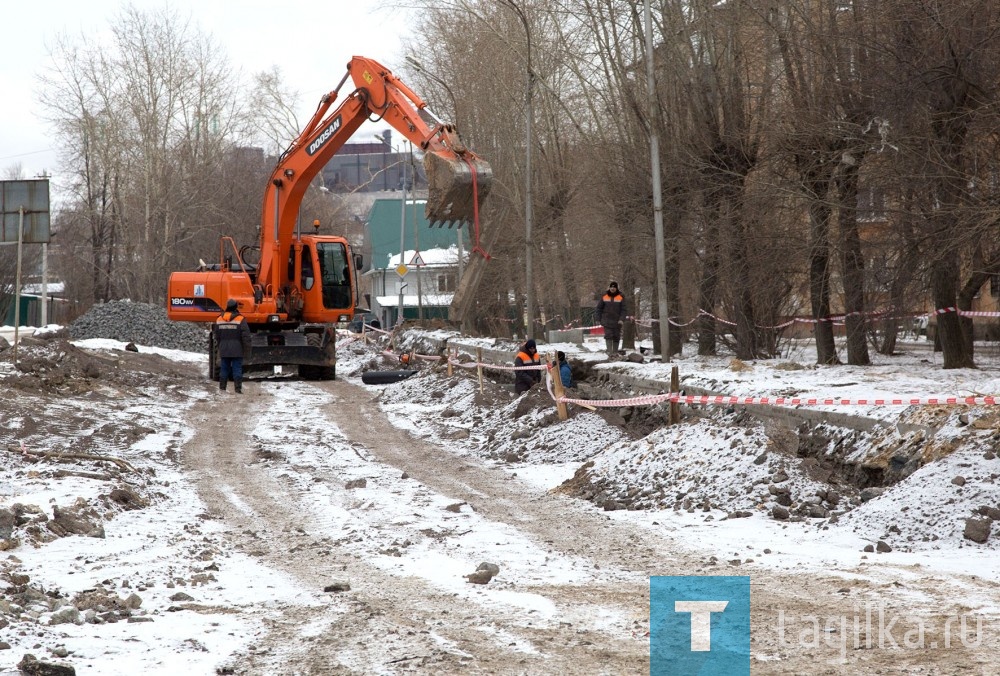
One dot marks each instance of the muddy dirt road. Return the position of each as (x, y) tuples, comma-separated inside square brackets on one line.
[(354, 499)]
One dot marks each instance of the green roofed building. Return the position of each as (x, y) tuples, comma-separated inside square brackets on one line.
[(431, 256)]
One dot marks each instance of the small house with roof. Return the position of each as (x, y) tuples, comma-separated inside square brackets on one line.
[(432, 258)]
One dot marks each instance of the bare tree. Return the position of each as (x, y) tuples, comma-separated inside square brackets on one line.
[(273, 118), (946, 59), (826, 69), (147, 120)]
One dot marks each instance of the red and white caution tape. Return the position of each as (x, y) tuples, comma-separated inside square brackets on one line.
[(649, 400), (535, 367), (974, 313), (834, 319), (725, 400)]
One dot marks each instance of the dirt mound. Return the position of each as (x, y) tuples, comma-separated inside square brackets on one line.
[(140, 323), (914, 484), (50, 364)]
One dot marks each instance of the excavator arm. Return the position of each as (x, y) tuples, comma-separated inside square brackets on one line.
[(458, 180)]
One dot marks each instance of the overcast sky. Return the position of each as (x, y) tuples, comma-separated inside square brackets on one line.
[(310, 40)]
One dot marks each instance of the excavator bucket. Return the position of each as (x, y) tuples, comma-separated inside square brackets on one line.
[(456, 186)]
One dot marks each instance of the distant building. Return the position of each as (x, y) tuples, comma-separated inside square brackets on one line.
[(431, 277), (372, 166), (58, 309)]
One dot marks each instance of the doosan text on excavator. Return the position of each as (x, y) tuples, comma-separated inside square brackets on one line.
[(303, 284)]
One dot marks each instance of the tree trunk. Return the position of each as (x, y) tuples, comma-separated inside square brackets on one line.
[(983, 270), (628, 327), (854, 267), (674, 333), (657, 343), (708, 286), (950, 332), (819, 278), (628, 334), (746, 330), (890, 325)]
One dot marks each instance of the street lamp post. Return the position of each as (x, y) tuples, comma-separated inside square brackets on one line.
[(402, 230), (420, 68)]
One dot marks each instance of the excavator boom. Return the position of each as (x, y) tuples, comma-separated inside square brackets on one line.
[(458, 179), (304, 283)]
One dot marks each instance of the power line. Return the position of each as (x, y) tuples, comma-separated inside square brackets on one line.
[(33, 152)]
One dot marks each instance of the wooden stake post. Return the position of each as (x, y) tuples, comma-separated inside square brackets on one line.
[(675, 386), (557, 387), (479, 367), (448, 356)]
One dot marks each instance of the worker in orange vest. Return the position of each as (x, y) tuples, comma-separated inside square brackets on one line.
[(610, 315), (232, 335), (527, 356)]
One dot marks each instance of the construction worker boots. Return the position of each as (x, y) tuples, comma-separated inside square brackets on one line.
[(237, 383)]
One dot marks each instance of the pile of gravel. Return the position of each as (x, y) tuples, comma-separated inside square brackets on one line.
[(139, 323)]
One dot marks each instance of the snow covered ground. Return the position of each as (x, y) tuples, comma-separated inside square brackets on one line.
[(712, 482)]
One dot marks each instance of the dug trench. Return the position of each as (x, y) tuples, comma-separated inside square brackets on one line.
[(809, 593), (662, 551), (399, 623), (847, 459), (833, 447)]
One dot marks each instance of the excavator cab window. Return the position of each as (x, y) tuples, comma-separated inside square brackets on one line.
[(335, 274), (307, 268)]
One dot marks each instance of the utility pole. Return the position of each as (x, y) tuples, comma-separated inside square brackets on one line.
[(402, 228), (654, 150), (17, 281)]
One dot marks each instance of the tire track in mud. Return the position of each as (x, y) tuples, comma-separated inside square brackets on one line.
[(387, 622), (264, 522), (569, 526), (394, 622)]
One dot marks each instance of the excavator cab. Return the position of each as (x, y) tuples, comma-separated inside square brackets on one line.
[(457, 184)]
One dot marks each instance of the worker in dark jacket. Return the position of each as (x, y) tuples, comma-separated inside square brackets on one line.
[(565, 371), (610, 314), (527, 356), (232, 335)]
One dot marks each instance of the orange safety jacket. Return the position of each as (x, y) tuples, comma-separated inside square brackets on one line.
[(232, 334), (611, 310), (527, 359), (523, 380)]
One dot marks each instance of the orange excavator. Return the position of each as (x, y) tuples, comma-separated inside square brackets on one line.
[(303, 284)]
